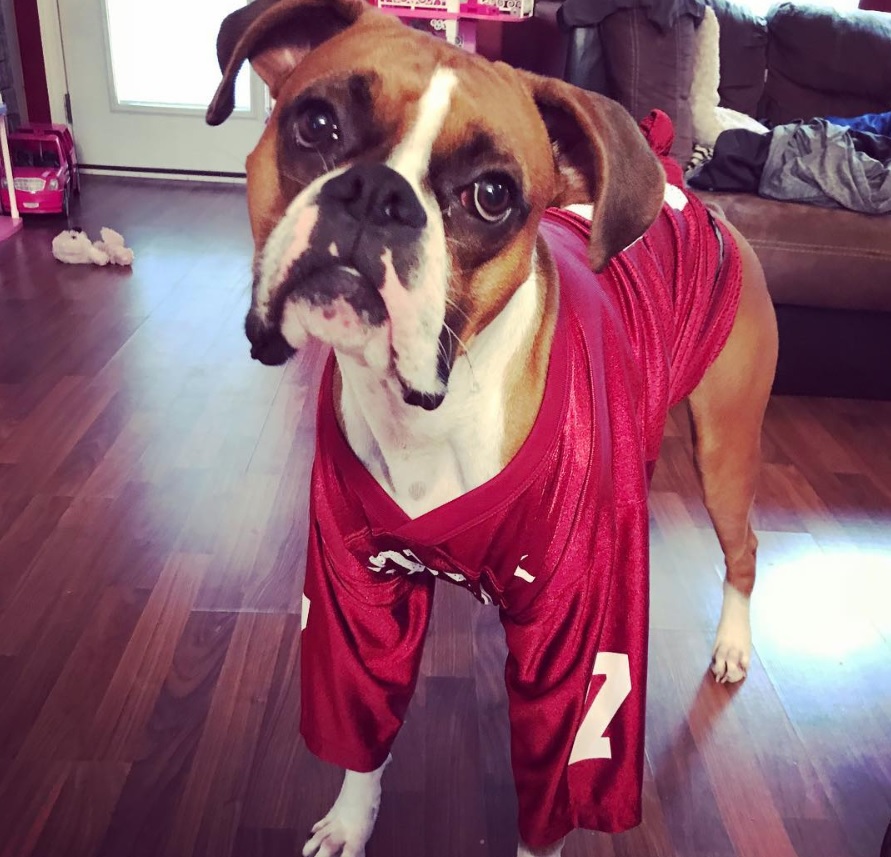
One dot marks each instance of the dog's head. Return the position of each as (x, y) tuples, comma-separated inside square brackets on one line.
[(396, 192)]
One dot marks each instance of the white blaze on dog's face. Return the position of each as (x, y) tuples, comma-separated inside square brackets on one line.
[(403, 207)]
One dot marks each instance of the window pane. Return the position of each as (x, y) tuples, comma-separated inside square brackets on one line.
[(163, 53)]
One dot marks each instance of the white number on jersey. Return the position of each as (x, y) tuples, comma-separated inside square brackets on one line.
[(590, 742)]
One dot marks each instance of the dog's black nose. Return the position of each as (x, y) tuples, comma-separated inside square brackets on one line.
[(377, 194), (267, 344)]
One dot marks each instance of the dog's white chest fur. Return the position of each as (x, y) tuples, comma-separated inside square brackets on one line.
[(424, 459)]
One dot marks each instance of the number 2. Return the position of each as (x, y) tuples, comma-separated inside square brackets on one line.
[(590, 742)]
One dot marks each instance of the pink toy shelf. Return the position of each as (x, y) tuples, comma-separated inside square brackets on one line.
[(8, 225), (456, 20)]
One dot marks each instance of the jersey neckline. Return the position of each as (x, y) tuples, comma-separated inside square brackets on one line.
[(384, 513)]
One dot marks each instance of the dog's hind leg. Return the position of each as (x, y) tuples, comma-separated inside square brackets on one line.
[(728, 409)]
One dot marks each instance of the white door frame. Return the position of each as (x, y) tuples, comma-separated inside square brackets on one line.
[(53, 58)]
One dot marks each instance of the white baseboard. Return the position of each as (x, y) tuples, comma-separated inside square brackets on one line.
[(162, 176)]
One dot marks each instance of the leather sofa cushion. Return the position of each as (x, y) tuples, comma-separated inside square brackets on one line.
[(743, 49), (815, 257), (649, 68), (826, 63)]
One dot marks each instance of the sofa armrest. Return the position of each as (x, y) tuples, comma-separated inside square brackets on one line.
[(649, 67), (626, 56)]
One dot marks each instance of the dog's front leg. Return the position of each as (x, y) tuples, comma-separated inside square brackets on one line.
[(553, 851), (344, 831)]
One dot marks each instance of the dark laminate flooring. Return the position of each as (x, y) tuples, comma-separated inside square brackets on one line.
[(153, 489)]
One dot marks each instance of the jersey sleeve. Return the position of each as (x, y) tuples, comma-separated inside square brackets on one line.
[(698, 252)]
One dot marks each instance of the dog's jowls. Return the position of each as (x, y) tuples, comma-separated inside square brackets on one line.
[(501, 376)]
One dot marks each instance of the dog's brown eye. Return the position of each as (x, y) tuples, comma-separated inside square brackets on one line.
[(490, 197), (315, 126)]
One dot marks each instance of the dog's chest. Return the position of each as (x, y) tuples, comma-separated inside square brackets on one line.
[(425, 460)]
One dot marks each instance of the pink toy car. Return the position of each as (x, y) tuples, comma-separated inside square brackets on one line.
[(44, 170)]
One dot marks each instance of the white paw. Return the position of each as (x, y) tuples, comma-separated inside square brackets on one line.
[(333, 837), (733, 642), (348, 826), (555, 850)]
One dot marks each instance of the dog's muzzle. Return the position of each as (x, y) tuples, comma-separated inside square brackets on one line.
[(365, 211), (267, 343)]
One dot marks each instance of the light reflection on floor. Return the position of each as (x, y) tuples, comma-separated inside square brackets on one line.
[(818, 602)]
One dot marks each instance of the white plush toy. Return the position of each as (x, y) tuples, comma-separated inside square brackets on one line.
[(112, 243), (75, 248)]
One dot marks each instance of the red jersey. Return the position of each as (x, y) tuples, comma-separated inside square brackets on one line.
[(558, 540)]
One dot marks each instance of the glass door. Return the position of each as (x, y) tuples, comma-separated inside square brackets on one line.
[(140, 76)]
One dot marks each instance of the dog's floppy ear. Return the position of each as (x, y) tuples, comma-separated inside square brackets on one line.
[(602, 158), (274, 35)]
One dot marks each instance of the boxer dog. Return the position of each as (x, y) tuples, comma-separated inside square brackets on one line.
[(500, 377)]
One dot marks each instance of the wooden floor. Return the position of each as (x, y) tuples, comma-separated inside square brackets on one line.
[(152, 529)]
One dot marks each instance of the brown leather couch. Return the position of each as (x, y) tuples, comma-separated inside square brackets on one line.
[(828, 270)]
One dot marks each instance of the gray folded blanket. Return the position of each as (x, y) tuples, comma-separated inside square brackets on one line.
[(824, 164)]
